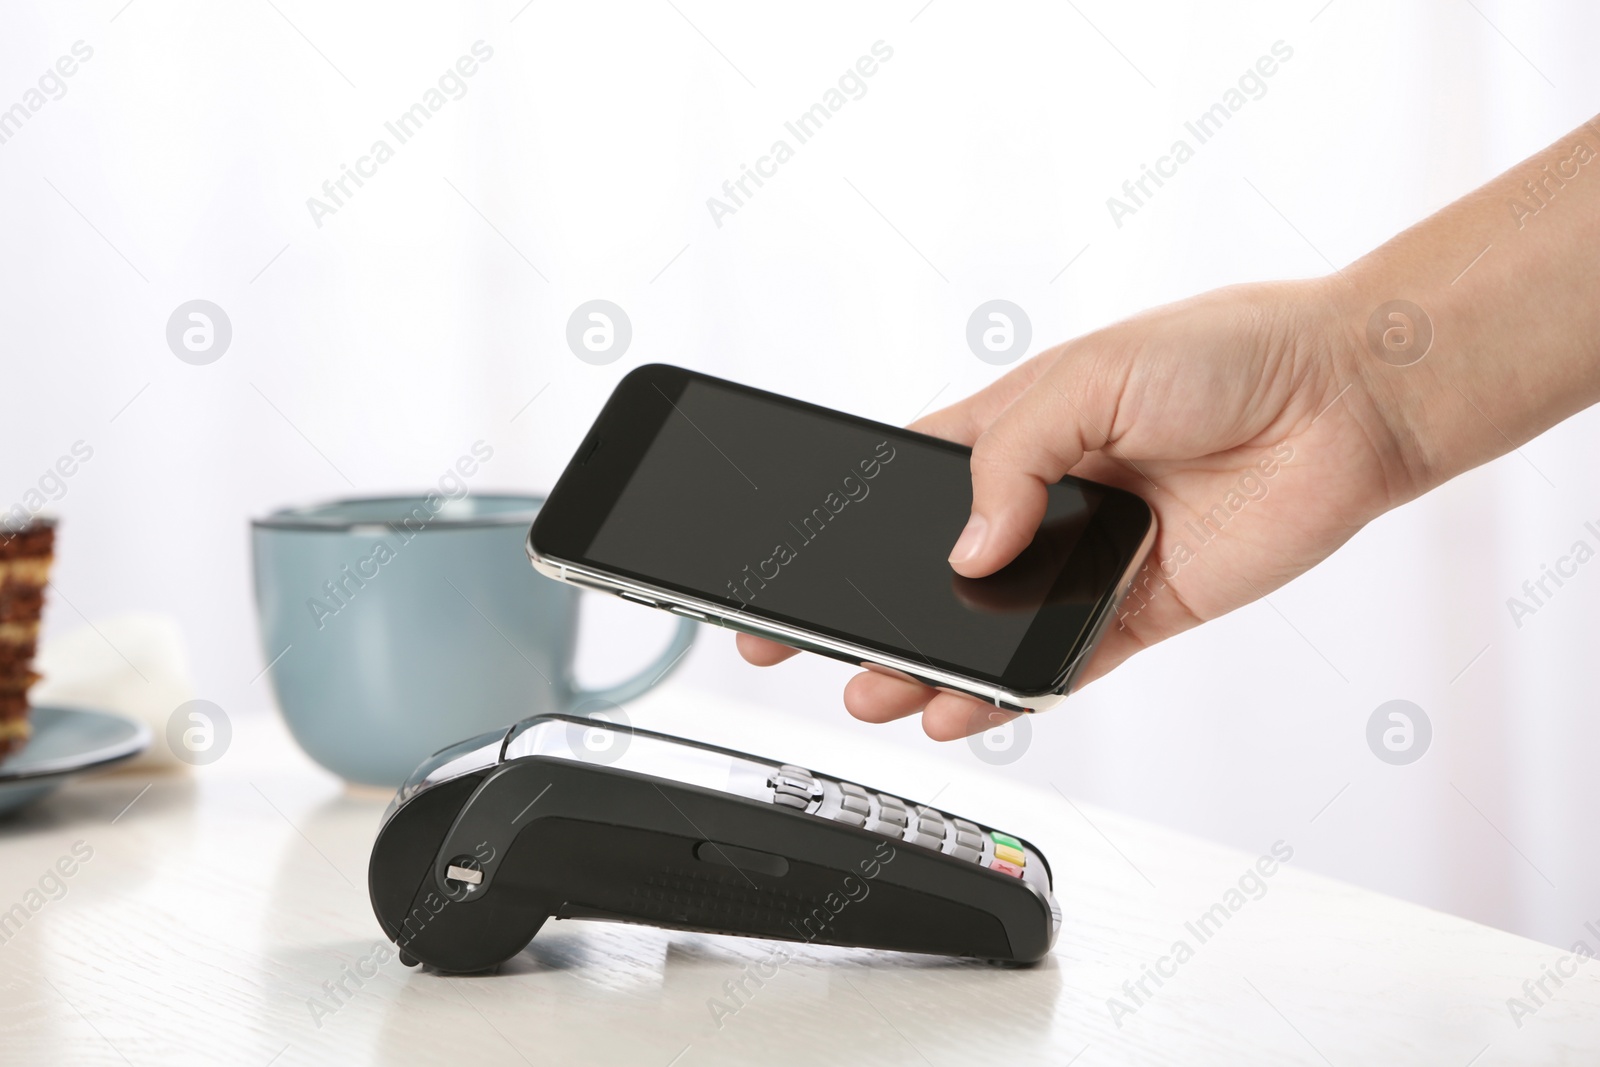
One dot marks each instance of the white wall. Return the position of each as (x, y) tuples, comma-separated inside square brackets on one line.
[(178, 164)]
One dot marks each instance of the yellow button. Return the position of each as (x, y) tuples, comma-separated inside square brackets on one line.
[(1010, 855)]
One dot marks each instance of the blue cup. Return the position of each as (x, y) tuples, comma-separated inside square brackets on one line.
[(396, 626)]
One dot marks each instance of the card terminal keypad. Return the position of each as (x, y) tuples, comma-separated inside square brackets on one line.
[(845, 802)]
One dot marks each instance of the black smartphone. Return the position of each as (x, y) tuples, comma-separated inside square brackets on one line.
[(832, 533)]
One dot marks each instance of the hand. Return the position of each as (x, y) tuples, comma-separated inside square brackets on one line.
[(1241, 416)]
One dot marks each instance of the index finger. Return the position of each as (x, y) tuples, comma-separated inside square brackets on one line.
[(761, 652)]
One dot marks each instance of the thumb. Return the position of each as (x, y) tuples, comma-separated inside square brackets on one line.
[(965, 420), (1043, 434)]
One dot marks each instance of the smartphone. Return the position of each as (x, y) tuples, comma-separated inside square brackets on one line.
[(832, 533)]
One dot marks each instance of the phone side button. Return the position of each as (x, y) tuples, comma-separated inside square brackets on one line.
[(637, 599), (686, 613)]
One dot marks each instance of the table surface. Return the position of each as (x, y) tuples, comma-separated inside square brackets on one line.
[(216, 907)]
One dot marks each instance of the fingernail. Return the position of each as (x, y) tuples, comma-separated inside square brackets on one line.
[(971, 539)]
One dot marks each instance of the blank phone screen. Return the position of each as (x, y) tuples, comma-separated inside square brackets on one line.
[(836, 526)]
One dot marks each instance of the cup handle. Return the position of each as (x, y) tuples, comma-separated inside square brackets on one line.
[(646, 679)]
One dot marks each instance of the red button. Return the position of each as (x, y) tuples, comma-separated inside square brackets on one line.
[(1005, 868)]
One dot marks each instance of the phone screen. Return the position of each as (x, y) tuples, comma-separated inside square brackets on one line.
[(838, 525)]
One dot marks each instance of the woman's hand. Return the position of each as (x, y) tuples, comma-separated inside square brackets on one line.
[(1241, 416), (1266, 424)]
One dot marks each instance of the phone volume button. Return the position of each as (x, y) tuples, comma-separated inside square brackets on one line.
[(637, 599), (687, 613)]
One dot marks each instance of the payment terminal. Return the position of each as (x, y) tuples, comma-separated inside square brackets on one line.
[(565, 817)]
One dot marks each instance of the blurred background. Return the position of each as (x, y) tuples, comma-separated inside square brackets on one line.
[(375, 339)]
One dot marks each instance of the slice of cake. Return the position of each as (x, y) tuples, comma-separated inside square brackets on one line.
[(25, 557)]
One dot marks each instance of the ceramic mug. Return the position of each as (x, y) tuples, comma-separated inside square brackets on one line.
[(396, 626)]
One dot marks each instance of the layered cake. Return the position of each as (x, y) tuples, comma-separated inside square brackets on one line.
[(24, 567)]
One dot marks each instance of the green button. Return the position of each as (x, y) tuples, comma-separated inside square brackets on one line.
[(1005, 839)]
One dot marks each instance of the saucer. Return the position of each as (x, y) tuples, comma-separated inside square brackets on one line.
[(66, 741)]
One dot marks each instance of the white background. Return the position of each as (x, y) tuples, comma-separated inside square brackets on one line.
[(368, 353)]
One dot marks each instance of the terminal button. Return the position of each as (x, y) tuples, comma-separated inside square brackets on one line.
[(893, 811), (794, 787), (893, 818), (1005, 868), (1005, 839), (1010, 855)]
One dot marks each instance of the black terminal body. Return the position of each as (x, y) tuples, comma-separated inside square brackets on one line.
[(571, 818)]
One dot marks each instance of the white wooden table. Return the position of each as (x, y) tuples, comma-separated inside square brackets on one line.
[(212, 911)]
